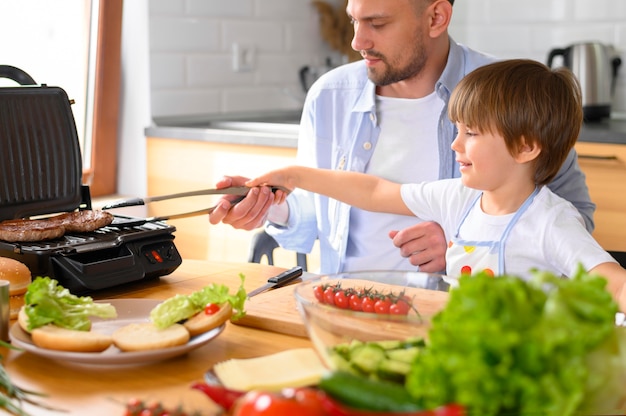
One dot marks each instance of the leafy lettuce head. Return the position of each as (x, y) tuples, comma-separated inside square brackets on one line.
[(506, 346)]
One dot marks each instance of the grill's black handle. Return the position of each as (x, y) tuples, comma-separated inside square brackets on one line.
[(16, 74)]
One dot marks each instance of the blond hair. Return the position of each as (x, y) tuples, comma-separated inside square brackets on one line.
[(525, 102)]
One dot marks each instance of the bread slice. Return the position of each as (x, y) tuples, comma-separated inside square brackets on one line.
[(201, 322), (19, 277), (145, 336), (62, 339), (22, 319)]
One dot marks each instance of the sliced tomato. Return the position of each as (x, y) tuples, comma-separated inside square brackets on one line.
[(211, 308)]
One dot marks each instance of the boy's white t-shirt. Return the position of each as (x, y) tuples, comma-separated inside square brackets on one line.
[(392, 159), (550, 235)]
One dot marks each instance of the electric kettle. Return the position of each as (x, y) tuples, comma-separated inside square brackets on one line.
[(595, 65)]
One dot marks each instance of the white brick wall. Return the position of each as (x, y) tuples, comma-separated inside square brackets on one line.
[(531, 28), (191, 45)]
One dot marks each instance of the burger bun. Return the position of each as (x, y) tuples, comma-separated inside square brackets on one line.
[(54, 337), (146, 336), (19, 277), (202, 322)]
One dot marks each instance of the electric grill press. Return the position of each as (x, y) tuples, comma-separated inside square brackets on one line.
[(40, 173)]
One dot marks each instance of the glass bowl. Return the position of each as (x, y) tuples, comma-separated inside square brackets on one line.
[(417, 296)]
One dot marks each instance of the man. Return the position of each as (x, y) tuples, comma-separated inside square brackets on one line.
[(384, 115)]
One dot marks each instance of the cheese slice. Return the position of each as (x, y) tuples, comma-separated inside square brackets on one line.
[(292, 368)]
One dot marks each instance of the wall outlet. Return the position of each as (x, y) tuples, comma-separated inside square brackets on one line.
[(244, 56)]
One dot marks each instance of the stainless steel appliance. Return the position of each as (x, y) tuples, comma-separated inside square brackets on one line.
[(595, 65)]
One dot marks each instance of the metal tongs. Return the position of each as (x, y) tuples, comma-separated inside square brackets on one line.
[(240, 191)]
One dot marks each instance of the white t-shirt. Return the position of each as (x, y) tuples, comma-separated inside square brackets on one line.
[(406, 152), (549, 236)]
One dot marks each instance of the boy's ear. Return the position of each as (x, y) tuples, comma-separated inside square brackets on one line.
[(527, 152)]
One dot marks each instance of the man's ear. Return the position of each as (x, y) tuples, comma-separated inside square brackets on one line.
[(527, 152), (440, 13)]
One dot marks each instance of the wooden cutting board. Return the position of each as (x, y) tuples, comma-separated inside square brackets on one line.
[(274, 310)]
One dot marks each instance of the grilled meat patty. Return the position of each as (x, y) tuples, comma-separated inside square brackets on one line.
[(85, 221), (29, 230)]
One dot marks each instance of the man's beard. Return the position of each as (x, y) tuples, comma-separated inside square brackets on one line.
[(392, 74)]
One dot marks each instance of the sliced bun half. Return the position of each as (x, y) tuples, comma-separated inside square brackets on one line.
[(62, 339), (145, 336), (201, 322), (22, 319)]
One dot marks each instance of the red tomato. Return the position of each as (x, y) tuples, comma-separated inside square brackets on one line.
[(329, 295), (381, 306), (367, 305), (318, 291), (300, 402), (401, 307), (355, 302), (341, 300), (211, 308), (450, 410)]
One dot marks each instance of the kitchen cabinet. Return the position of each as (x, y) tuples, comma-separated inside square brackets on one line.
[(605, 168), (176, 165)]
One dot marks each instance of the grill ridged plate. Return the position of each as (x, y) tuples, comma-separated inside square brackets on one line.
[(40, 159)]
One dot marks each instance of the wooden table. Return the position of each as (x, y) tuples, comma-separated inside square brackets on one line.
[(96, 390)]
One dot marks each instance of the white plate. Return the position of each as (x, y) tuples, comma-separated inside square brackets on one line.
[(128, 311)]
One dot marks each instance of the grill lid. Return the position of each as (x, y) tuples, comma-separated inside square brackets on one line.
[(40, 160)]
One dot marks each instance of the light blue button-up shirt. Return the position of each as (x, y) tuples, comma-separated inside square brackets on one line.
[(338, 129)]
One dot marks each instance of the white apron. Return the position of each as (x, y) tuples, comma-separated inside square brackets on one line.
[(471, 257)]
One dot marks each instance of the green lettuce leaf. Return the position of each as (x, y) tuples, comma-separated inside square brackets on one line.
[(507, 346), (605, 393), (47, 302), (181, 307)]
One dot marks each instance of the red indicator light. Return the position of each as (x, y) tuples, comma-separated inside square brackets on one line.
[(157, 256)]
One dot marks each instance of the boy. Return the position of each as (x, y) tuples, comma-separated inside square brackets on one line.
[(517, 121)]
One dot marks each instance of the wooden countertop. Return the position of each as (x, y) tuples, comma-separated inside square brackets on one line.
[(100, 390)]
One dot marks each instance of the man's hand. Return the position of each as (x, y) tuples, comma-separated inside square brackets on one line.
[(248, 214), (424, 244)]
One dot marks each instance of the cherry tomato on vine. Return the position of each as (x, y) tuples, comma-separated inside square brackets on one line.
[(355, 302), (318, 291), (367, 304), (381, 306), (341, 300), (329, 295), (400, 307), (364, 299)]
